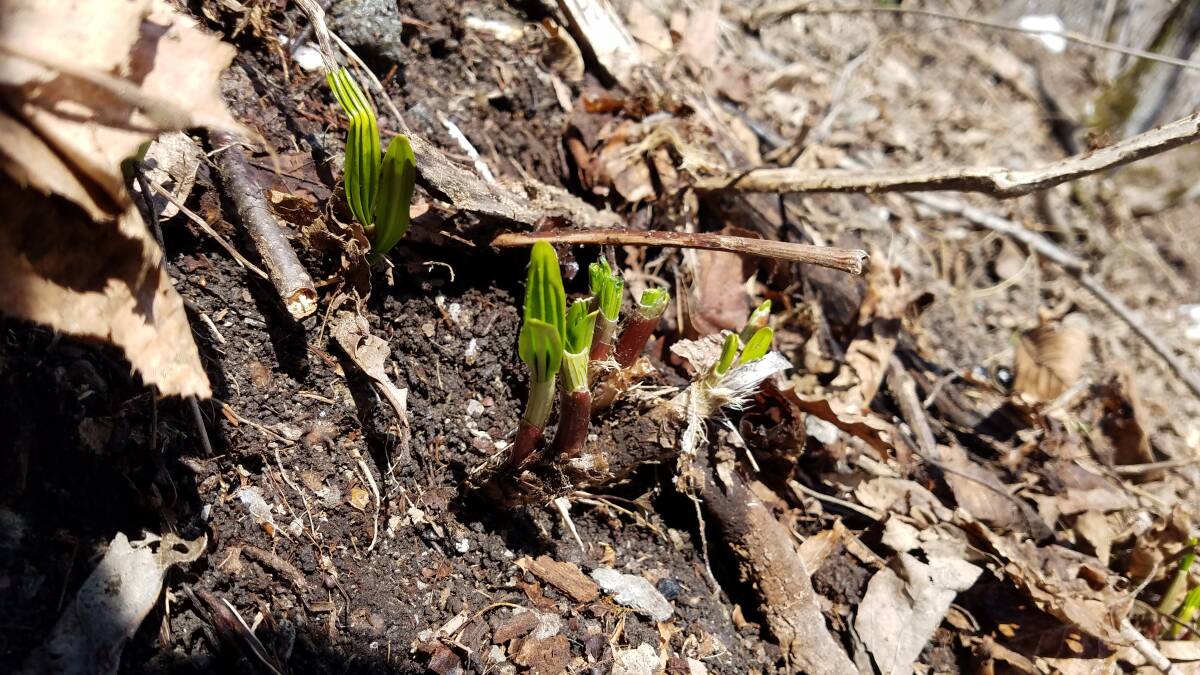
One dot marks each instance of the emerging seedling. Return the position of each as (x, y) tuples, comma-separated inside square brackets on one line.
[(756, 347), (641, 325), (607, 288), (379, 192), (758, 319), (540, 346), (576, 407)]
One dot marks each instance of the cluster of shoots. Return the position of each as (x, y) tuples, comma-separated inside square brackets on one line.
[(748, 346), (379, 188), (576, 343)]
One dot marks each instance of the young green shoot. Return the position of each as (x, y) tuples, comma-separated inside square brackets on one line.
[(607, 288), (641, 325), (576, 405), (757, 346), (1178, 586), (378, 191), (729, 352), (540, 346), (758, 319), (1186, 611)]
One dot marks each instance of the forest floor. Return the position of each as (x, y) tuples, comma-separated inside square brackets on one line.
[(1007, 523)]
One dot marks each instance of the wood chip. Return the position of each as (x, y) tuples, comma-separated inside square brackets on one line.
[(566, 577)]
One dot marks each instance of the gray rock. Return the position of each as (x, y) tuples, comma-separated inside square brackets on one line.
[(634, 592), (372, 28)]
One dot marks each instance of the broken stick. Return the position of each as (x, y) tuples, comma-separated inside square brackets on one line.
[(996, 181), (852, 261), (291, 280)]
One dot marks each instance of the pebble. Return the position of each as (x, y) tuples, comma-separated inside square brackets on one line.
[(634, 592)]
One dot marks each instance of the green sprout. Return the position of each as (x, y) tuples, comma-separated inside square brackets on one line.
[(607, 288), (540, 345), (1186, 611), (575, 412), (1178, 586), (379, 192), (729, 352), (758, 319), (757, 346), (580, 327)]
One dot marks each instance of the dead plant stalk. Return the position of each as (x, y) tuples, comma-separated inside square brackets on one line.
[(851, 261)]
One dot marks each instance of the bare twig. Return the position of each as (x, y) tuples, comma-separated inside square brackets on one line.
[(776, 12), (1136, 469), (1146, 648), (291, 280), (993, 180), (852, 261)]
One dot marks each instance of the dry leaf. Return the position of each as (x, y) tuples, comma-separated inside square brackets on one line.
[(899, 612), (1121, 425), (369, 352), (898, 495), (1071, 586), (85, 85), (1049, 358), (978, 491), (868, 355), (172, 162), (359, 498), (562, 54), (874, 431)]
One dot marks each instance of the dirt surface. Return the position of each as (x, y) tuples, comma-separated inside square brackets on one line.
[(350, 540)]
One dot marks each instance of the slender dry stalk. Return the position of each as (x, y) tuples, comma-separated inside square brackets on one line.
[(996, 181), (851, 261)]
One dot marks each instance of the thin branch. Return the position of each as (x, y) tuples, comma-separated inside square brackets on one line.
[(291, 281), (852, 261), (993, 180), (801, 7), (203, 225)]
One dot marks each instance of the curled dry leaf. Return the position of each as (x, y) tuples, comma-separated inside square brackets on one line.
[(1122, 426), (369, 352), (875, 432), (1049, 358), (85, 85), (870, 352)]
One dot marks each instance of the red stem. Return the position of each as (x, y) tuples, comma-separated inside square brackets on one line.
[(573, 417), (634, 338), (528, 437)]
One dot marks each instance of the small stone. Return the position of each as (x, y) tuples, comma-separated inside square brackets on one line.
[(641, 661), (669, 588), (474, 408), (428, 329), (634, 592), (471, 353), (462, 545)]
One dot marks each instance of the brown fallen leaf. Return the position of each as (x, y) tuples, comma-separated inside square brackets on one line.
[(1049, 358), (877, 433), (1121, 425), (84, 86), (869, 353), (369, 352)]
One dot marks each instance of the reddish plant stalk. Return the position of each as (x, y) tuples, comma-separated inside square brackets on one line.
[(575, 412), (602, 340), (524, 445), (634, 338)]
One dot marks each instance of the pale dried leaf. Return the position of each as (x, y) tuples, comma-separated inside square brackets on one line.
[(369, 352), (899, 612), (92, 632), (172, 162)]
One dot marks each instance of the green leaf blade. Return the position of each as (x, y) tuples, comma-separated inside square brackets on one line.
[(757, 346), (397, 177)]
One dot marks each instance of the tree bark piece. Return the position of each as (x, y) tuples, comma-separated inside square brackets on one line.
[(996, 181), (291, 280), (769, 561), (565, 576), (852, 261)]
